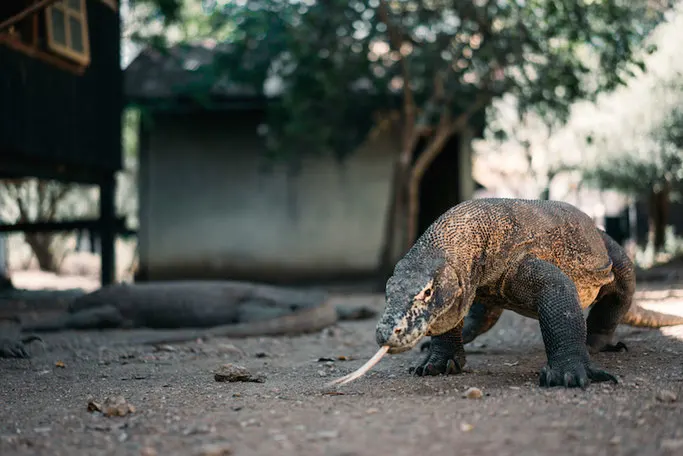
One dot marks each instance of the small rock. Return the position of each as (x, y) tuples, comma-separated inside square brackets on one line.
[(616, 440), (322, 373), (371, 411), (200, 429), (473, 393), (216, 449), (165, 348), (466, 427), (234, 373), (60, 364), (112, 406), (666, 396), (148, 451), (325, 435), (250, 422)]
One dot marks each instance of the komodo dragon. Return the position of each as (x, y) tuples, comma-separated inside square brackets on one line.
[(545, 260), (200, 308)]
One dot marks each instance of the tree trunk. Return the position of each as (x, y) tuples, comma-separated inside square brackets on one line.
[(395, 230), (432, 151), (659, 216), (41, 245)]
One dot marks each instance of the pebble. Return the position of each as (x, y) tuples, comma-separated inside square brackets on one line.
[(473, 393), (466, 427), (215, 449), (666, 396), (112, 406), (235, 373), (325, 435), (148, 451)]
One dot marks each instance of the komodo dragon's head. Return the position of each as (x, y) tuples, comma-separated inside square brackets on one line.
[(423, 287)]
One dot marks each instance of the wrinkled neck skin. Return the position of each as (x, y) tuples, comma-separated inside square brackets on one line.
[(406, 320)]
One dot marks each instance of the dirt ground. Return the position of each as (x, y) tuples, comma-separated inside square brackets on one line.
[(181, 410)]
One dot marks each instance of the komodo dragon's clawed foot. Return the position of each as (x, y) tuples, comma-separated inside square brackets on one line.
[(619, 346), (573, 376), (16, 348), (597, 344), (437, 365), (446, 356)]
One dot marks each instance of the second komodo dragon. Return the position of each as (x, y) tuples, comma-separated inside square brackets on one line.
[(542, 259), (194, 309)]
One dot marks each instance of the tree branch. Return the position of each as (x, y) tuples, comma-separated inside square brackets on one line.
[(396, 40)]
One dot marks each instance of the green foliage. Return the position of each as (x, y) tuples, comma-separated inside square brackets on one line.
[(338, 74), (639, 150)]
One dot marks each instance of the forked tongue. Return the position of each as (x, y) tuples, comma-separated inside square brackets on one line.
[(361, 370)]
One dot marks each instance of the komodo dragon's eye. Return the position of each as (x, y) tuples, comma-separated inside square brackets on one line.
[(426, 292)]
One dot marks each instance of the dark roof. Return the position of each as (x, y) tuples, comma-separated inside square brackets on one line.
[(176, 72), (173, 76)]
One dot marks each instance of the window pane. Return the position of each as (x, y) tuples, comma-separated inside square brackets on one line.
[(58, 30), (76, 29), (74, 5)]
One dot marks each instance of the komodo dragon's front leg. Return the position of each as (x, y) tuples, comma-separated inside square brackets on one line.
[(16, 348), (480, 319), (446, 354), (542, 286)]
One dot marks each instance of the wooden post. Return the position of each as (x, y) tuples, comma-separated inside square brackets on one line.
[(108, 229), (5, 281)]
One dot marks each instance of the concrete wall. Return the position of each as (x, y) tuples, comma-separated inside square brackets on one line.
[(209, 210)]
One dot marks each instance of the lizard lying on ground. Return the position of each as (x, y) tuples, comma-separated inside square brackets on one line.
[(545, 260), (199, 308)]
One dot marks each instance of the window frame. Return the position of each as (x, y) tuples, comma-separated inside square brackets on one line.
[(83, 57)]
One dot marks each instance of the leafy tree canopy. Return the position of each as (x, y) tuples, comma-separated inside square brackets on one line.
[(339, 67)]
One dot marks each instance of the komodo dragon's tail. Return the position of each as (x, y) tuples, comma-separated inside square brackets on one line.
[(300, 322), (645, 318)]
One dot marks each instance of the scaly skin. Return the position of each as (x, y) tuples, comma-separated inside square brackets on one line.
[(542, 259)]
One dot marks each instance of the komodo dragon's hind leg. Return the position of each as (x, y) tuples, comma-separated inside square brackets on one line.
[(480, 319), (540, 285), (612, 303)]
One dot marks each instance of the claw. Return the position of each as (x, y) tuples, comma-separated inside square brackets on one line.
[(568, 379), (573, 376), (583, 383), (602, 376), (615, 348), (453, 367)]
